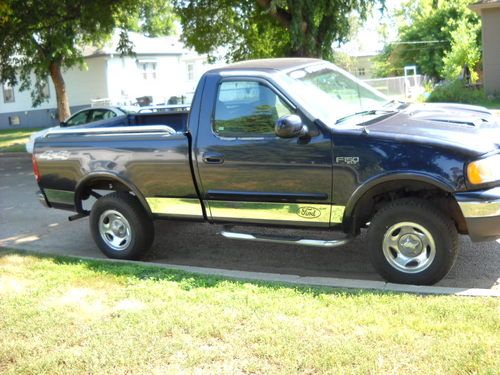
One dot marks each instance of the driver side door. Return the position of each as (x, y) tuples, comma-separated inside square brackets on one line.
[(250, 175)]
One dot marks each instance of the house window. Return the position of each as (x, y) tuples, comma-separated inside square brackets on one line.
[(147, 70), (14, 121), (361, 72), (190, 71), (44, 89), (8, 93)]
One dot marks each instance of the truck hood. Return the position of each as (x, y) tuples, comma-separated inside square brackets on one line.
[(465, 126)]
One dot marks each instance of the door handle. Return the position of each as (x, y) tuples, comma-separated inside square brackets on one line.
[(212, 158)]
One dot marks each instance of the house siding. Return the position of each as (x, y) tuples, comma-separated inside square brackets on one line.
[(491, 50), (114, 79), (83, 85), (34, 118)]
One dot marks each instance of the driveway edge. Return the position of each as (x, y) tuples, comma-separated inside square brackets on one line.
[(331, 282)]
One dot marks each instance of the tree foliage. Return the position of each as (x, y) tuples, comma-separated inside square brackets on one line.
[(267, 28), (465, 52), (43, 37), (426, 30)]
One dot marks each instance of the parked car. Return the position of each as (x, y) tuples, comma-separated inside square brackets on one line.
[(296, 143), (81, 117)]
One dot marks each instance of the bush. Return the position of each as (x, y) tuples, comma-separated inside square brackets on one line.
[(457, 92)]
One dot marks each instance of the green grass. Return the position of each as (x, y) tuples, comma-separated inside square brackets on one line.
[(62, 315), (490, 104), (14, 140)]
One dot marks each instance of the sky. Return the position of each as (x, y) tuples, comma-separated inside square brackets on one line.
[(368, 40)]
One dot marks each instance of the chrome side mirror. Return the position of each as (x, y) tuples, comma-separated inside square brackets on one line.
[(290, 126)]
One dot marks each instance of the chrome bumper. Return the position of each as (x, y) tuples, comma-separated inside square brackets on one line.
[(481, 210)]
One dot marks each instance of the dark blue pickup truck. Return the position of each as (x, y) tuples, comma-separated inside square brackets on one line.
[(287, 143)]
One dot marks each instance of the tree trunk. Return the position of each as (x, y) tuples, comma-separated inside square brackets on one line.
[(61, 94)]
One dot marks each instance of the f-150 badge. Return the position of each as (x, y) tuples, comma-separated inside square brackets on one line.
[(351, 160)]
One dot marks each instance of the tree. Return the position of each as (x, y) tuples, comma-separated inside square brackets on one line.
[(343, 60), (267, 28), (464, 53), (44, 37), (425, 35)]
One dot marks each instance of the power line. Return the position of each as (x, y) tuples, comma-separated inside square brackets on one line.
[(420, 42)]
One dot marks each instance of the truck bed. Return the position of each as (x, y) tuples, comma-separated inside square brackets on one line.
[(155, 163)]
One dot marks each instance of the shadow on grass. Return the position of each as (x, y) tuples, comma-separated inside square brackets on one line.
[(186, 280)]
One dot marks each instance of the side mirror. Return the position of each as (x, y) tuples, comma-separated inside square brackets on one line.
[(290, 126), (63, 124)]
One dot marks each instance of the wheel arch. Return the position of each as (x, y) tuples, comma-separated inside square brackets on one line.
[(390, 183), (97, 179)]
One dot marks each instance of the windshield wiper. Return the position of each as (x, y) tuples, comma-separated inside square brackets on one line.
[(365, 113)]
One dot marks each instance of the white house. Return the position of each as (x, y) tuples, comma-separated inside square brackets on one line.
[(161, 68)]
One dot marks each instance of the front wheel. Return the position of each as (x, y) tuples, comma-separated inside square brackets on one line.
[(412, 242), (121, 227)]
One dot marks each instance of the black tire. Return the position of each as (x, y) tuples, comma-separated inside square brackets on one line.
[(391, 242), (134, 228)]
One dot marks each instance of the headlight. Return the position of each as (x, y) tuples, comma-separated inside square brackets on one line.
[(484, 171)]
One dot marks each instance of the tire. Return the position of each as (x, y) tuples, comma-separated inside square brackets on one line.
[(412, 242), (120, 226)]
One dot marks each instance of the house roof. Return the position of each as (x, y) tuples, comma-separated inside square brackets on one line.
[(142, 45), (484, 4)]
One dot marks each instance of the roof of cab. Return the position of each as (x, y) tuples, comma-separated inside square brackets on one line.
[(267, 64)]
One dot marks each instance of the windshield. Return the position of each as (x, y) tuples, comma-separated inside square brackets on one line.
[(331, 93)]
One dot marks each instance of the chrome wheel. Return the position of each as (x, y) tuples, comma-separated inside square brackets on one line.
[(115, 230), (409, 247)]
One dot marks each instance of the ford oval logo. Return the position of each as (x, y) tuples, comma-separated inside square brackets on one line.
[(309, 212)]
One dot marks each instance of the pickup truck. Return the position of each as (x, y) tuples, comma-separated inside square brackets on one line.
[(287, 143)]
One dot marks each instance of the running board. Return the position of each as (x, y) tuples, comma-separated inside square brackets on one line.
[(285, 240)]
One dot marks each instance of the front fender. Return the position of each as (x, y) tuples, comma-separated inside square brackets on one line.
[(378, 181)]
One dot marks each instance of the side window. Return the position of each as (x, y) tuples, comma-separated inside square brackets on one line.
[(109, 114), (100, 114), (78, 119), (247, 109)]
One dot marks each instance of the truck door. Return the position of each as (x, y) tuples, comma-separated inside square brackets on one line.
[(248, 174)]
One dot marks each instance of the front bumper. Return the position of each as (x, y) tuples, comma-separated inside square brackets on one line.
[(481, 210)]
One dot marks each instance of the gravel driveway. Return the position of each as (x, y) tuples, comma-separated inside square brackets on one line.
[(25, 224)]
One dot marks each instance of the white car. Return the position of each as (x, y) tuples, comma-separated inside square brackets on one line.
[(82, 117)]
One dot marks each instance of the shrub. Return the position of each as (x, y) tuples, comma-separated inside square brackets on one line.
[(457, 92)]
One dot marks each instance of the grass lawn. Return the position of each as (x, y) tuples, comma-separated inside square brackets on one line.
[(62, 315), (491, 104), (14, 140)]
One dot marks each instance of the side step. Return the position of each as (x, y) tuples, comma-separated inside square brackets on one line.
[(284, 240)]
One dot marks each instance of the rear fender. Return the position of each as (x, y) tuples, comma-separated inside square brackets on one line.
[(108, 176)]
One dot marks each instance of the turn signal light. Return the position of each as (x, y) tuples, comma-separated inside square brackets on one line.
[(484, 171)]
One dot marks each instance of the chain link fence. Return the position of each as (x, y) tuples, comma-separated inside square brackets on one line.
[(409, 87)]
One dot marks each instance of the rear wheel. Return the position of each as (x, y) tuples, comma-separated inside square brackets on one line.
[(412, 242), (121, 227)]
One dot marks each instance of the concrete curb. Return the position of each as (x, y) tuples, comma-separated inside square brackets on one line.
[(330, 282), (15, 155)]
